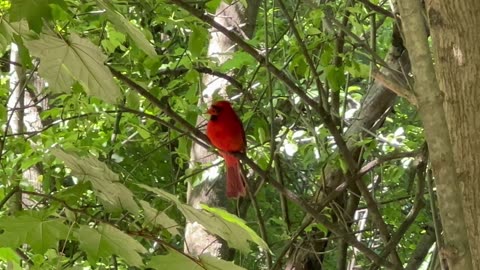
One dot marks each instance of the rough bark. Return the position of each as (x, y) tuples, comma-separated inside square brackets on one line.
[(452, 55), (422, 249), (212, 192), (456, 42)]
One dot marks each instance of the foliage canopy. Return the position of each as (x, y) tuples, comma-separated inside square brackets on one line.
[(114, 162)]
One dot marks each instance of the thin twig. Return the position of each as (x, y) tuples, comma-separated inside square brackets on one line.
[(385, 158), (162, 105), (282, 76), (261, 224), (235, 83), (287, 246), (379, 221), (417, 206), (24, 257), (7, 197), (370, 254), (197, 134), (422, 249), (376, 8), (304, 50)]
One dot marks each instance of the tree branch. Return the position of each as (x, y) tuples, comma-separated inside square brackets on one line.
[(194, 132), (370, 254), (423, 247), (282, 76), (376, 8), (395, 87), (417, 206)]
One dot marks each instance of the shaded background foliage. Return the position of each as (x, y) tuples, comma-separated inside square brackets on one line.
[(83, 215)]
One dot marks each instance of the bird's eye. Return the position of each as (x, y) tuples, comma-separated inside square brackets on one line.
[(216, 109)]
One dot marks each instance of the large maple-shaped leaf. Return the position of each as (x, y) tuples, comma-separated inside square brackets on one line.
[(231, 229), (62, 61), (213, 263), (106, 241), (174, 260), (31, 228), (5, 35), (155, 217), (126, 27), (34, 11), (242, 230), (113, 194), (177, 260), (7, 31)]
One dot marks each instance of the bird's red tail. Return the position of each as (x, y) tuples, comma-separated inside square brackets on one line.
[(235, 177)]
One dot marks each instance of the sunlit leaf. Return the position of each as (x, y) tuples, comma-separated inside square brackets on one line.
[(238, 60), (174, 260), (113, 194), (63, 60), (41, 233), (123, 25), (219, 222), (34, 11), (197, 41), (153, 216), (213, 263), (241, 230), (106, 240), (9, 256), (9, 29)]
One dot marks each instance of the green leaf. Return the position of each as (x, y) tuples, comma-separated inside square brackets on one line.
[(177, 260), (5, 35), (218, 222), (34, 11), (107, 240), (132, 99), (159, 218), (113, 194), (213, 263), (240, 229), (174, 260), (72, 194), (126, 27), (25, 58), (197, 41), (335, 77), (212, 5), (31, 228), (64, 60), (8, 30), (239, 59), (343, 165), (358, 70), (10, 257), (312, 31)]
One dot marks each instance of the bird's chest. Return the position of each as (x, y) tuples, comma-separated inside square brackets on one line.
[(227, 136)]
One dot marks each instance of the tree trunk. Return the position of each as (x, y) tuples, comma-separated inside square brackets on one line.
[(212, 191), (23, 117), (454, 30), (450, 132)]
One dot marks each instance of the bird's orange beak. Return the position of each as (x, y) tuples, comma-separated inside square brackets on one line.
[(212, 111)]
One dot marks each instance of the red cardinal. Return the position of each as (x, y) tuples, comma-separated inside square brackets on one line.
[(225, 131)]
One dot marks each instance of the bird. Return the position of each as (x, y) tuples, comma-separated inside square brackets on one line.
[(225, 131)]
